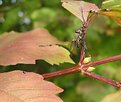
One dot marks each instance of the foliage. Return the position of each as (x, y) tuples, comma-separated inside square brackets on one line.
[(113, 10), (18, 88), (27, 48), (103, 40)]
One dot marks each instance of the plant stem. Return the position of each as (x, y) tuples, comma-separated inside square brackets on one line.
[(84, 67), (82, 53), (62, 72), (81, 67), (108, 81), (84, 29), (83, 46), (102, 61)]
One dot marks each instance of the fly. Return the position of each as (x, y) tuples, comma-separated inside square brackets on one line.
[(77, 41)]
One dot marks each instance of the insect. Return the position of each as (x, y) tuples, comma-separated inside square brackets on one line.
[(79, 38), (78, 41), (81, 10)]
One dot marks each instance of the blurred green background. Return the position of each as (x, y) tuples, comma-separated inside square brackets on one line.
[(103, 40)]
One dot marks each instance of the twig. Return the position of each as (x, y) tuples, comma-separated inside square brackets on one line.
[(100, 78), (62, 72), (102, 61), (81, 68), (84, 29), (82, 53)]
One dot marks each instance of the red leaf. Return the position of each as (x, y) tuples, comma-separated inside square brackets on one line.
[(78, 7), (29, 87), (30, 46)]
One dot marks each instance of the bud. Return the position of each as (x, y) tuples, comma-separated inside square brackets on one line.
[(90, 69), (87, 59)]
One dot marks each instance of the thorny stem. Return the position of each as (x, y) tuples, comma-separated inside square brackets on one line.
[(81, 67)]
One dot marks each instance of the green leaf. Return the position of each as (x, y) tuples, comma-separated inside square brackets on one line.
[(112, 9), (111, 3), (115, 97)]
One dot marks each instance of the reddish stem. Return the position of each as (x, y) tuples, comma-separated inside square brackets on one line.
[(108, 81), (102, 61), (82, 53), (62, 72), (81, 68), (85, 28)]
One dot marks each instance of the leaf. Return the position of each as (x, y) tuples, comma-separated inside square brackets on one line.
[(79, 8), (16, 86), (115, 97), (111, 4), (30, 46), (112, 9), (117, 20)]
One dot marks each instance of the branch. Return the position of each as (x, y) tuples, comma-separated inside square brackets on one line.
[(62, 72), (83, 67), (82, 53), (102, 61), (100, 78), (84, 29), (79, 69)]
